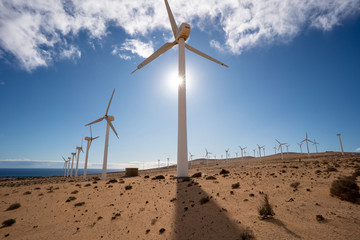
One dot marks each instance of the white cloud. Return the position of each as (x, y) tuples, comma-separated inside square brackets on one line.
[(138, 47), (29, 160), (34, 31), (358, 149)]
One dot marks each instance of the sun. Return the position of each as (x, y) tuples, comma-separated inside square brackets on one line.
[(174, 80)]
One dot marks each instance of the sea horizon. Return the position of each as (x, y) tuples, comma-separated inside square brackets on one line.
[(46, 172)]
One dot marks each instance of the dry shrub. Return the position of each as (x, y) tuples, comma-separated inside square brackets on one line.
[(247, 234), (265, 209), (346, 189), (13, 206)]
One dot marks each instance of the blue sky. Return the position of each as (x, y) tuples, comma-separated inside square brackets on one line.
[(293, 68)]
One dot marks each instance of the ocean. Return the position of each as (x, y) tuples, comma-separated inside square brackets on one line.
[(46, 172)]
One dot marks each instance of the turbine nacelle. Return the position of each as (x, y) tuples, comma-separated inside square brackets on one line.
[(183, 32), (111, 118), (87, 138)]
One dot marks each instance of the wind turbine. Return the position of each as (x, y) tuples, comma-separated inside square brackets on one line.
[(180, 35), (263, 147), (158, 163), (77, 157), (300, 146), (108, 119), (307, 144), (254, 152), (227, 154), (65, 166), (68, 170), (168, 161), (259, 151), (242, 149), (89, 141), (280, 147), (287, 148), (236, 153), (72, 163), (275, 148), (342, 150), (191, 158), (316, 143), (207, 157)]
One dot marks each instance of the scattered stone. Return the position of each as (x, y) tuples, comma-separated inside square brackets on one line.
[(204, 200), (210, 178), (128, 187), (235, 185), (79, 204), (8, 223), (13, 206), (71, 198), (162, 230), (112, 181)]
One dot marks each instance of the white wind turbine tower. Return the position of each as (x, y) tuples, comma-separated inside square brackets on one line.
[(263, 147), (300, 146), (180, 35), (307, 144), (245, 153), (227, 154), (275, 148), (236, 153), (254, 152), (207, 157), (108, 119), (68, 171), (316, 143), (168, 161), (287, 148), (280, 147), (77, 158), (72, 163), (342, 150), (65, 167), (191, 158), (89, 141), (158, 163), (259, 151), (242, 149)]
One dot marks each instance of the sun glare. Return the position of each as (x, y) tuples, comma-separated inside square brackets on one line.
[(174, 80)]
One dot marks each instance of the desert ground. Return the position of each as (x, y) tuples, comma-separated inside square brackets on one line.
[(206, 207)]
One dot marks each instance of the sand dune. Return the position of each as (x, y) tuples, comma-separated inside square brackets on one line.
[(196, 209)]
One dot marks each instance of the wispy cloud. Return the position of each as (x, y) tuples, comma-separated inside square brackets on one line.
[(358, 149), (37, 32), (29, 160)]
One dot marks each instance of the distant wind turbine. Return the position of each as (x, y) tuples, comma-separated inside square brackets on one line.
[(180, 35), (236, 153), (316, 143), (259, 151), (207, 157), (342, 150), (263, 147), (191, 158), (158, 163), (227, 154), (287, 148), (168, 161), (77, 157), (280, 147), (242, 149), (89, 141), (275, 148), (65, 166), (300, 146), (68, 171), (72, 163), (254, 152), (108, 119), (307, 144)]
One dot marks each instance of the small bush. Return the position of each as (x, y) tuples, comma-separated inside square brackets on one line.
[(74, 192), (112, 181), (128, 187), (223, 171), (247, 234), (159, 177), (71, 198), (8, 223), (235, 185), (79, 204), (27, 193), (294, 184), (210, 178), (13, 206), (346, 189), (265, 209), (204, 200), (196, 175)]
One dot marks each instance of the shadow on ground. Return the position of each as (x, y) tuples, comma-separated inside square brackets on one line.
[(202, 220)]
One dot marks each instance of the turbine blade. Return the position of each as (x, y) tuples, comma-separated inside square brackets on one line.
[(107, 110), (90, 132), (96, 121), (112, 127), (156, 54), (277, 141), (171, 18), (64, 158), (204, 55), (94, 138)]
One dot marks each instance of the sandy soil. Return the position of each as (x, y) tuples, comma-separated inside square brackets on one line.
[(112, 212)]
